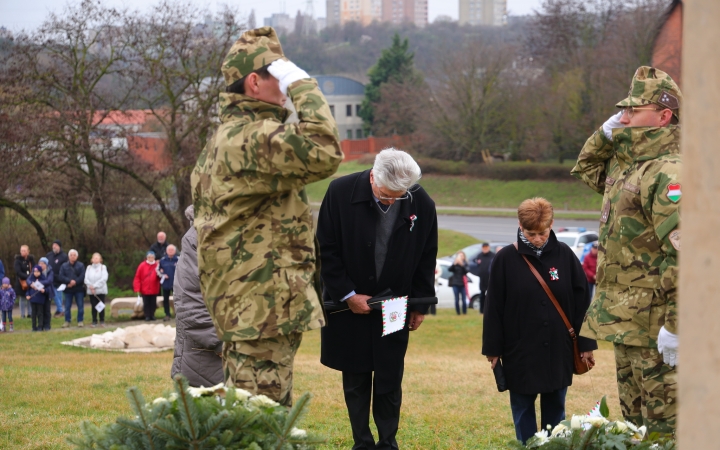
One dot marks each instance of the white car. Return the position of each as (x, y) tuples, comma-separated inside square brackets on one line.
[(576, 238), (444, 293)]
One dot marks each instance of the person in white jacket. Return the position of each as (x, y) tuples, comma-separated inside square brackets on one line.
[(96, 277)]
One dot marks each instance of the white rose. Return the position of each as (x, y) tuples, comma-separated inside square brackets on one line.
[(576, 422), (298, 433), (242, 394), (620, 426), (597, 422), (172, 397), (262, 400), (560, 429)]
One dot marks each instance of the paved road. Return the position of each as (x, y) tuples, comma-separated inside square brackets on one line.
[(500, 228)]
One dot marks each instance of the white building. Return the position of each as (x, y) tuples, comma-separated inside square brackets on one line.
[(344, 95)]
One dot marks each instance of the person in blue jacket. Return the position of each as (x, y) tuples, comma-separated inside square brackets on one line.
[(166, 272), (38, 296)]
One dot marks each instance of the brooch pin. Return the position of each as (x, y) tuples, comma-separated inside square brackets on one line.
[(554, 274), (413, 218)]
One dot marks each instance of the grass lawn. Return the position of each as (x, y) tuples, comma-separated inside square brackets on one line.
[(464, 191), (451, 241), (449, 395)]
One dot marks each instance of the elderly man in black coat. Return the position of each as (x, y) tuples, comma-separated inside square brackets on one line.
[(377, 231)]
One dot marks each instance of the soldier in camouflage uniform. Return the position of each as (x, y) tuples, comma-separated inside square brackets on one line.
[(634, 161), (256, 250)]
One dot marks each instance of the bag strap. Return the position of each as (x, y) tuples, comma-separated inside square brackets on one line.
[(549, 293)]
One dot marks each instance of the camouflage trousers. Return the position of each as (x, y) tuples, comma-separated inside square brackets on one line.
[(647, 388), (263, 366)]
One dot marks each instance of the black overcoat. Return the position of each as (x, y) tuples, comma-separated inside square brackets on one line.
[(522, 325), (346, 233)]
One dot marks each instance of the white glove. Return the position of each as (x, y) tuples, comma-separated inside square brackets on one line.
[(668, 346), (286, 73), (612, 122)]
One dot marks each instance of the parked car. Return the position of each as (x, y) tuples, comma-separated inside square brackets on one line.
[(472, 252), (444, 293), (576, 238)]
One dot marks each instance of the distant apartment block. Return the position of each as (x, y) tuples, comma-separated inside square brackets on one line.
[(340, 12), (280, 20), (483, 12)]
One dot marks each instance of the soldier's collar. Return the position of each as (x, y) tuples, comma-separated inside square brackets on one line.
[(248, 109), (643, 143)]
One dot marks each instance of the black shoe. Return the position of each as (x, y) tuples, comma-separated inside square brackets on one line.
[(147, 319)]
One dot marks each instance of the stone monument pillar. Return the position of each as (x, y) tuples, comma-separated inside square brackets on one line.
[(699, 295)]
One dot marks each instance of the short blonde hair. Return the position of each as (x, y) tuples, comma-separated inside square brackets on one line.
[(535, 214), (96, 253)]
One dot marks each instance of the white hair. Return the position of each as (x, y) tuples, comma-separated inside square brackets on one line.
[(175, 248), (72, 250), (396, 170)]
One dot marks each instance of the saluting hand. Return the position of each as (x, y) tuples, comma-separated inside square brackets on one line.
[(358, 304)]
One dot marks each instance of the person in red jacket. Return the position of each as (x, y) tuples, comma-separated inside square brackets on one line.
[(590, 267), (147, 284)]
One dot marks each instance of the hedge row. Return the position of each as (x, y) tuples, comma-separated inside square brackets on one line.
[(506, 171)]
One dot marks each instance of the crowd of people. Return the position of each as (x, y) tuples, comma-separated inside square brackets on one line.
[(60, 278)]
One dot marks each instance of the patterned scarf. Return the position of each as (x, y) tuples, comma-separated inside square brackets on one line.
[(538, 251)]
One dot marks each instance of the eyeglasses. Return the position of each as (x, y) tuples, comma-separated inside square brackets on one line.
[(381, 197), (630, 110)]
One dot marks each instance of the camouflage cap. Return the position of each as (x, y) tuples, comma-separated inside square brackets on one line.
[(253, 50), (650, 85)]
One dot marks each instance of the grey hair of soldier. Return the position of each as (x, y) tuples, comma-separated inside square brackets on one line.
[(396, 170)]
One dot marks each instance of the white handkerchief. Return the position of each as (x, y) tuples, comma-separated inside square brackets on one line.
[(393, 312), (100, 306), (61, 287)]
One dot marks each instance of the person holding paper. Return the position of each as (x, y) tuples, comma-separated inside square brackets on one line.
[(47, 271), (166, 273), (96, 277), (377, 231), (56, 258), (37, 294)]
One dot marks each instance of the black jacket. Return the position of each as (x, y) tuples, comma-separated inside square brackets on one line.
[(458, 272), (159, 249), (56, 262), (23, 269), (346, 233), (483, 262), (72, 272), (522, 325)]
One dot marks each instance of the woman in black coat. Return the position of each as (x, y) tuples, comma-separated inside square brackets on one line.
[(523, 329), (459, 269)]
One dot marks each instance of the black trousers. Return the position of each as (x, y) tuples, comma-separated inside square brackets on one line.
[(94, 300), (38, 316), (358, 389), (149, 306), (47, 315), (166, 300)]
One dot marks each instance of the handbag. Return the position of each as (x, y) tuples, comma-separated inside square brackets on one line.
[(23, 285), (579, 366)]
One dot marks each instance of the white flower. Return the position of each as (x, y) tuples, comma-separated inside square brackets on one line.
[(542, 437), (242, 394), (298, 433), (172, 397), (620, 426), (641, 432), (597, 422), (160, 400), (559, 430), (576, 422), (201, 391), (264, 401)]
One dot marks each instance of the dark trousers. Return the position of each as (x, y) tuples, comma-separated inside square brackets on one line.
[(38, 316), (47, 314), (358, 389), (149, 306), (552, 412), (7, 316), (94, 300), (166, 301), (459, 292)]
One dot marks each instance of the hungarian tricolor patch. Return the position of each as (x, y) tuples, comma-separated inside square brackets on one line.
[(674, 192)]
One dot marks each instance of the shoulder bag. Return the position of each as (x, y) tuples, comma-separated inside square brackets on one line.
[(579, 366)]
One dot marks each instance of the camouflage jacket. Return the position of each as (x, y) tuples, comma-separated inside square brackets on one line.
[(637, 272), (256, 251)]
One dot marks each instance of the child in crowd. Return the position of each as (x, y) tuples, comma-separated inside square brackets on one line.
[(38, 297), (7, 301)]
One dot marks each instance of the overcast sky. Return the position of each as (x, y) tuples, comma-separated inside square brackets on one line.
[(28, 14)]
